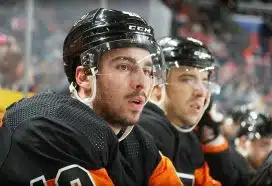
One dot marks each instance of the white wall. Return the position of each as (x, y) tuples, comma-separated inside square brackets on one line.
[(159, 18)]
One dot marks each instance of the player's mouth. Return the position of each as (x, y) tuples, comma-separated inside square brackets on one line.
[(195, 108), (137, 103)]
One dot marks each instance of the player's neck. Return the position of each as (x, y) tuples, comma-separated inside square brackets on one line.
[(115, 129)]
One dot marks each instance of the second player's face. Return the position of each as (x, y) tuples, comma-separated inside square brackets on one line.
[(259, 150), (186, 95), (123, 84)]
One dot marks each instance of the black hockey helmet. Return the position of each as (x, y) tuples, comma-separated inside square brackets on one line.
[(255, 125), (101, 30), (186, 52), (239, 111)]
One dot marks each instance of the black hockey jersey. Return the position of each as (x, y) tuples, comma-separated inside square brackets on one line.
[(185, 151), (52, 139)]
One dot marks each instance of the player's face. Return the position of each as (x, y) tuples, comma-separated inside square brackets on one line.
[(259, 150), (123, 84), (186, 93)]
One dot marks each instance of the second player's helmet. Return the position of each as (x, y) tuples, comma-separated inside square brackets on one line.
[(255, 125), (187, 51), (102, 30)]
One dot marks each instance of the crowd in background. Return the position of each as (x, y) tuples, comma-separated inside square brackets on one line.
[(244, 56)]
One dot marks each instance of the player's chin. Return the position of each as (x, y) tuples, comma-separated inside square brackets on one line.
[(133, 118), (192, 121)]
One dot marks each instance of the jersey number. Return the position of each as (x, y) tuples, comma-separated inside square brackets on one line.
[(72, 175)]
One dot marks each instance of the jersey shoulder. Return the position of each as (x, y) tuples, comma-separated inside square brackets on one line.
[(58, 127)]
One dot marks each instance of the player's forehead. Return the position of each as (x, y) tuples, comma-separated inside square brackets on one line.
[(188, 70), (138, 54)]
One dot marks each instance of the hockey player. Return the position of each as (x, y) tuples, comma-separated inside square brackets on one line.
[(232, 123), (254, 139), (208, 130), (87, 136), (178, 107)]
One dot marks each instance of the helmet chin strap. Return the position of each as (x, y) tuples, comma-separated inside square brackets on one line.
[(186, 130), (88, 100)]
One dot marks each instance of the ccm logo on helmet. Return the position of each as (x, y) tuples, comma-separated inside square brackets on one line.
[(139, 28), (202, 55)]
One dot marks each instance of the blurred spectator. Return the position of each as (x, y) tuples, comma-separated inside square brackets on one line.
[(10, 62)]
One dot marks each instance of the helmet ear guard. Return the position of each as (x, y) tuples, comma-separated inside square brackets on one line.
[(87, 61)]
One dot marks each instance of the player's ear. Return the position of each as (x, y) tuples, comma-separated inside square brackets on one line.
[(83, 81), (156, 94)]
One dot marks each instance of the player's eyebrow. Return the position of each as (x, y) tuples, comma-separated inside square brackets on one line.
[(188, 75), (132, 60)]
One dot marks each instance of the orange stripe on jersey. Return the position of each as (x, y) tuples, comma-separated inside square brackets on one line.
[(51, 182), (100, 176), (203, 178), (215, 149), (164, 174)]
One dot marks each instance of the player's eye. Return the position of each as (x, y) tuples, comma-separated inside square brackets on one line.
[(123, 67), (148, 72)]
